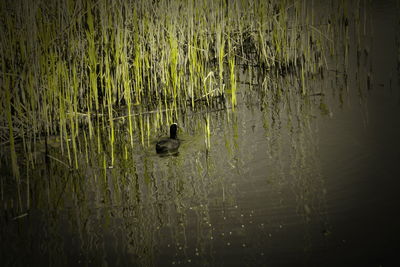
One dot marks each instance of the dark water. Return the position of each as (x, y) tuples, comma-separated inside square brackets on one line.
[(294, 181)]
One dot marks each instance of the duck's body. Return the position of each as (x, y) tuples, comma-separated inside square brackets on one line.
[(169, 144)]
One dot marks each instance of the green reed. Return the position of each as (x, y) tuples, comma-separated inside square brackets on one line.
[(71, 66)]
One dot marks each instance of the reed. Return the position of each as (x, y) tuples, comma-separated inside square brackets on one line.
[(73, 68)]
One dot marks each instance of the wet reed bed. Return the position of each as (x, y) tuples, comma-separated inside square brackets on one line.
[(75, 71)]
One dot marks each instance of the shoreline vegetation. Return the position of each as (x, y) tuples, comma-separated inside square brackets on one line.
[(72, 70)]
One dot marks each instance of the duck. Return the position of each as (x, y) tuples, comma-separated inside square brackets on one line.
[(169, 144)]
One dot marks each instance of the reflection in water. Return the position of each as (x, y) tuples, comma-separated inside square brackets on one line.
[(246, 188), (147, 210)]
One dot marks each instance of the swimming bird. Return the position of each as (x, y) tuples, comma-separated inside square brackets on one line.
[(170, 144)]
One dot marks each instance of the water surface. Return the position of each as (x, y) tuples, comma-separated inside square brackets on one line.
[(281, 179)]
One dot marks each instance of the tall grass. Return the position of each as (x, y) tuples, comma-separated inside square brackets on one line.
[(78, 67)]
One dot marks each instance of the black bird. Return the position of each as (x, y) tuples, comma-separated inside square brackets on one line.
[(170, 144)]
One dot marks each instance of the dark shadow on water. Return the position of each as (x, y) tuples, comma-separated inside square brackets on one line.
[(168, 154)]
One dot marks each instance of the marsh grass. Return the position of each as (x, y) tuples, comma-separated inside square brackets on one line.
[(77, 69)]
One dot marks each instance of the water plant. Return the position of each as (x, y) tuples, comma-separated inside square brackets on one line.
[(79, 69)]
